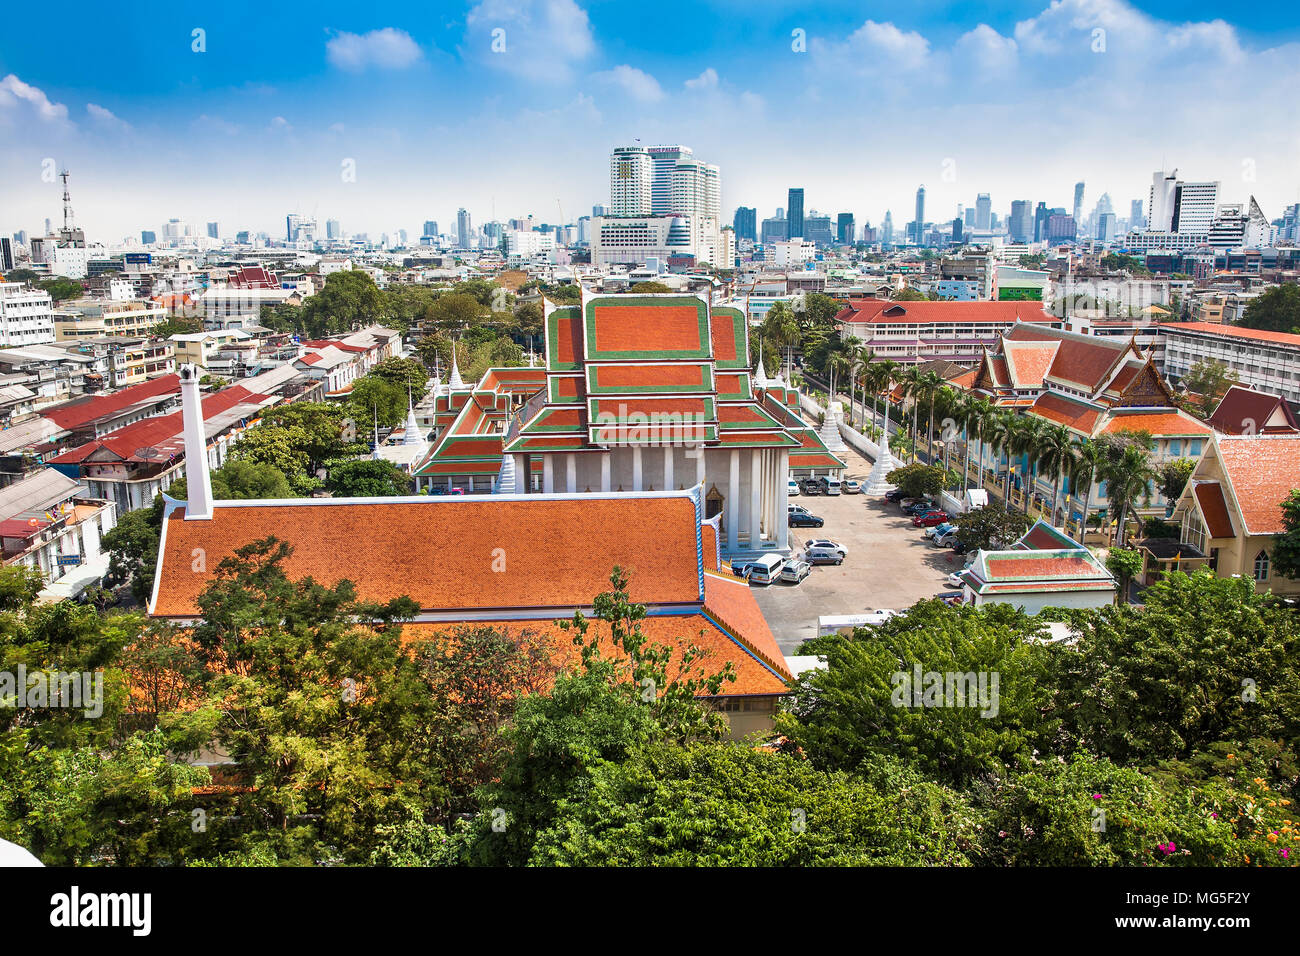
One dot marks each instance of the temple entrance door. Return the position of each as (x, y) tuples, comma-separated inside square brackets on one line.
[(713, 503)]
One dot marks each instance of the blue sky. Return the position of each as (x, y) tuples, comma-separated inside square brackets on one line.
[(869, 101)]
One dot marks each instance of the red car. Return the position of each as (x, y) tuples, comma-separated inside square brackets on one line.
[(928, 519)]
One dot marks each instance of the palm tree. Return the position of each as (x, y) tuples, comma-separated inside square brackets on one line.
[(931, 384), (945, 398), (913, 381), (781, 328), (1002, 430), (1089, 459), (837, 363), (1054, 449), (860, 356), (887, 372), (1028, 440), (980, 414), (1128, 478)]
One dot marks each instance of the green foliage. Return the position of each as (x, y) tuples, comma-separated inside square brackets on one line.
[(1173, 477), (367, 478), (407, 374), (60, 288), (1276, 309), (1125, 564), (1209, 380), (1286, 546), (349, 300), (132, 546), (907, 294), (991, 527), (863, 704), (916, 480)]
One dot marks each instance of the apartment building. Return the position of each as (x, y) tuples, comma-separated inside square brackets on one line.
[(914, 332), (1265, 361), (98, 318), (26, 315)]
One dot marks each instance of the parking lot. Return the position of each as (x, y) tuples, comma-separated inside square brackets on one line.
[(889, 564)]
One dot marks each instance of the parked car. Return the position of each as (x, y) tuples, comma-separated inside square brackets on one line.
[(895, 496), (810, 486), (955, 580), (802, 519), (791, 508), (952, 598), (917, 506), (793, 487), (851, 487), (946, 540), (823, 551), (929, 519), (939, 530), (829, 485), (795, 571)]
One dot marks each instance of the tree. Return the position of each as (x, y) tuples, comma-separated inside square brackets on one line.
[(908, 294), (1054, 449), (1128, 476), (868, 702), (374, 398), (1089, 457), (1209, 380), (408, 374), (1276, 309), (1286, 546), (650, 288), (61, 288), (916, 480), (349, 300), (452, 313), (1126, 565), (1173, 476), (282, 447), (367, 478), (321, 430), (132, 546), (990, 527)]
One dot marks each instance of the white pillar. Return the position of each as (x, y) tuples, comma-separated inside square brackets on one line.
[(668, 468), (699, 466), (604, 470), (755, 493), (548, 474), (198, 480), (636, 467), (783, 500), (571, 472), (733, 502), (521, 474)]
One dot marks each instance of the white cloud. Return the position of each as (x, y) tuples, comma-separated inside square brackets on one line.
[(638, 84), (105, 118), (884, 41), (1090, 27), (280, 124), (215, 124), (986, 50), (386, 49), (708, 80), (535, 39), (14, 90)]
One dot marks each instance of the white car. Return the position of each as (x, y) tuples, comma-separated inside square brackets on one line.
[(823, 551), (795, 571), (794, 487), (851, 487), (955, 580)]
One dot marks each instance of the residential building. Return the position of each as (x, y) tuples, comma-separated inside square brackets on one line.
[(97, 318), (1266, 361), (914, 332), (26, 315), (50, 524)]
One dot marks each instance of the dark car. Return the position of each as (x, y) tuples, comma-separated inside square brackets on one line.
[(801, 519), (810, 486), (918, 507), (895, 496)]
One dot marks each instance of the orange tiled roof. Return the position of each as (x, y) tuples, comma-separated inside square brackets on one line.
[(646, 328), (441, 551), (1263, 470), (1236, 332), (1167, 424), (1028, 362), (1066, 411)]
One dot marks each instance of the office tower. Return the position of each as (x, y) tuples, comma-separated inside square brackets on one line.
[(745, 223), (957, 230), (664, 161), (696, 190), (464, 229), (214, 231), (794, 214), (1021, 225), (6, 254), (1078, 202), (333, 229), (1107, 226), (845, 231), (173, 229), (970, 218), (1040, 222), (1135, 220), (631, 181), (291, 222), (242, 237), (148, 237), (600, 209), (920, 212), (887, 229), (430, 228), (818, 230), (983, 212), (776, 229)]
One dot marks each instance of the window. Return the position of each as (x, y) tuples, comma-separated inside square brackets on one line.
[(1261, 566), (1194, 447)]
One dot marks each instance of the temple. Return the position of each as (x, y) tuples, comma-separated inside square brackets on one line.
[(639, 393)]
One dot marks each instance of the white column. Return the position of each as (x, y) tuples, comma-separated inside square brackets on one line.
[(783, 500), (755, 493), (548, 474), (732, 508), (604, 470), (449, 484), (699, 466), (571, 472), (668, 467), (521, 474), (636, 467)]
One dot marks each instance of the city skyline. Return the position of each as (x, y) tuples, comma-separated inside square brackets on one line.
[(231, 134)]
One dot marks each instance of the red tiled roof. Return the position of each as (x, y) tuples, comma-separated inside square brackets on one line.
[(1209, 495), (1168, 424), (646, 328), (1065, 411), (1263, 470), (1055, 566), (886, 312), (440, 551), (1029, 362), (1244, 410), (72, 415)]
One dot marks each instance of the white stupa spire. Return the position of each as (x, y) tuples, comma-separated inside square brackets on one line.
[(455, 381), (411, 435), (760, 376)]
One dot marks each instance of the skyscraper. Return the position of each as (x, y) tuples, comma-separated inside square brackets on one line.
[(887, 229), (845, 231), (631, 181), (148, 237), (664, 161), (1040, 222), (794, 214), (746, 223), (430, 228), (333, 229), (1021, 226), (214, 230), (983, 212), (696, 190), (1078, 203), (1135, 220), (464, 229), (920, 213)]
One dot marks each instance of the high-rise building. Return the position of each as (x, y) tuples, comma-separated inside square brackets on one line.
[(1021, 225), (214, 230), (664, 161), (1060, 228), (983, 212), (1179, 207), (957, 230), (745, 223), (631, 181), (430, 228), (696, 190), (1135, 220), (776, 229), (464, 229), (845, 231), (818, 230), (333, 229), (148, 237), (920, 213), (970, 218), (1078, 202), (600, 209), (1040, 222), (887, 229), (794, 214), (6, 254)]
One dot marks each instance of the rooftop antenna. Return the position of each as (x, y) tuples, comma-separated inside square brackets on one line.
[(67, 202)]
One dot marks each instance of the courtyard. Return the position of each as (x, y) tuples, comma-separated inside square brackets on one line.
[(889, 563)]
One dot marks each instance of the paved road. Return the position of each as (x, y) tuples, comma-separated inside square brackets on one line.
[(889, 564)]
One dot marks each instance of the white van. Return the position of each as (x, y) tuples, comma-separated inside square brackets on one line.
[(765, 569), (830, 486)]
